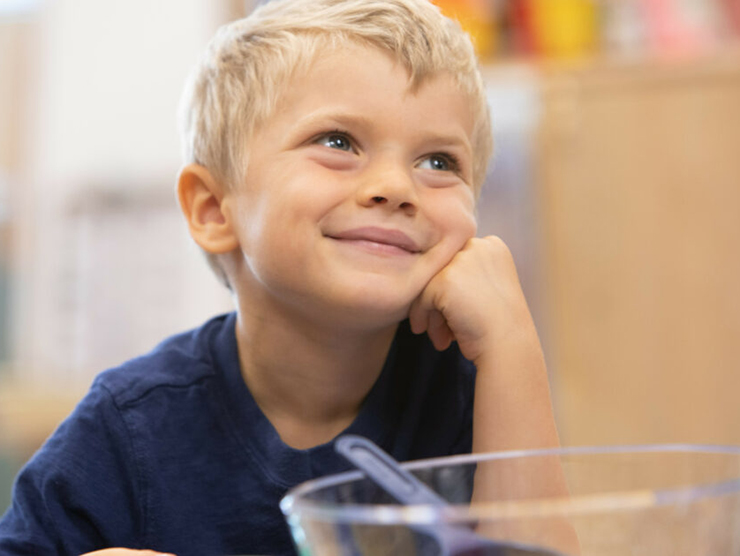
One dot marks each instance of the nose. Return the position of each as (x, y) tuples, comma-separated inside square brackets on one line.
[(390, 186)]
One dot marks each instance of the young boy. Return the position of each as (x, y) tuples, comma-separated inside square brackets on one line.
[(334, 153)]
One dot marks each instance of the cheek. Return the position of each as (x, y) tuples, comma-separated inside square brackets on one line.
[(456, 227), (454, 212), (468, 226), (460, 225)]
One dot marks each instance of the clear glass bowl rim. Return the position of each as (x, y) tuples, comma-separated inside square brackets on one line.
[(295, 506)]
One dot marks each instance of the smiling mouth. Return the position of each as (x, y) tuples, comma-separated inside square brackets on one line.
[(380, 240)]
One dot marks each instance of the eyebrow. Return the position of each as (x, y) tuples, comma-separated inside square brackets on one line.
[(341, 118), (450, 140)]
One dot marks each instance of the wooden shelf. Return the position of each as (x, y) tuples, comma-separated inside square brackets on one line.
[(639, 188)]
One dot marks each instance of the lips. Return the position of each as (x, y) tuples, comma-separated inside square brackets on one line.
[(382, 236)]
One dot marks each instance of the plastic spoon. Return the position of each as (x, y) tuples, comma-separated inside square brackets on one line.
[(453, 540)]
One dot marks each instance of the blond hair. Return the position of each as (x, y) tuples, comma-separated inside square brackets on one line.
[(246, 66)]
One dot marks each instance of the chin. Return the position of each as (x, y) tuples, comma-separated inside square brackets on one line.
[(369, 312), (369, 321), (355, 304), (384, 316)]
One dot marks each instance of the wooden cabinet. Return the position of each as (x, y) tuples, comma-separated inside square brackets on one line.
[(638, 194)]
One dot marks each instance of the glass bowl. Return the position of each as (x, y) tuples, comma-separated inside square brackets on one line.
[(656, 500)]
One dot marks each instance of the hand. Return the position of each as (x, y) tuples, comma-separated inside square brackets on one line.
[(125, 552), (476, 300)]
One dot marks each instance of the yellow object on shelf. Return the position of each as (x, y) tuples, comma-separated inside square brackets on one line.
[(477, 18), (565, 28)]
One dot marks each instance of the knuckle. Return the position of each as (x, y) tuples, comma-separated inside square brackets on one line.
[(498, 246), (496, 242)]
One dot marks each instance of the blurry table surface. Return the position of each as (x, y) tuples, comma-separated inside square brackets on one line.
[(28, 415)]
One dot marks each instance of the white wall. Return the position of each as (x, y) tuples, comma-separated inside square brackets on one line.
[(101, 117)]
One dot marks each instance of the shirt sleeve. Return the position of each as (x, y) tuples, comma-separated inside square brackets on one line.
[(81, 491)]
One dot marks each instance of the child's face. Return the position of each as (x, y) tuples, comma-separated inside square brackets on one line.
[(358, 190)]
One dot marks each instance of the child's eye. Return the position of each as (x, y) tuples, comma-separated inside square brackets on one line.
[(336, 140), (440, 162)]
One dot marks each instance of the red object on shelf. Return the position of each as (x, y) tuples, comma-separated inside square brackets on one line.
[(732, 10), (522, 31)]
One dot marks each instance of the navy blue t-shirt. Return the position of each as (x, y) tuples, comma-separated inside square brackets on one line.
[(170, 452)]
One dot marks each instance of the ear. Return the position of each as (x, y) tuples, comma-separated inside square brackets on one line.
[(202, 201)]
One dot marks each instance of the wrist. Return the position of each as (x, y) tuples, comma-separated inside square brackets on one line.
[(517, 343)]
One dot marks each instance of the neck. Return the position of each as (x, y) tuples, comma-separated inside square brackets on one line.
[(309, 379)]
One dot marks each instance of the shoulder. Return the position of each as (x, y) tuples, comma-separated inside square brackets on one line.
[(178, 362)]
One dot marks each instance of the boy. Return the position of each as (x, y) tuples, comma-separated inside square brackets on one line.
[(334, 152)]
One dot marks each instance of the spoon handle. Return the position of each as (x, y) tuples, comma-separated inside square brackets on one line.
[(451, 540), (384, 471)]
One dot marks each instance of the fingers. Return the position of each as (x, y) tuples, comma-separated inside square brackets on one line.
[(424, 316), (419, 316), (434, 324), (439, 332), (422, 308)]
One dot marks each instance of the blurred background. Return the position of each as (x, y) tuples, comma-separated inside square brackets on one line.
[(616, 183)]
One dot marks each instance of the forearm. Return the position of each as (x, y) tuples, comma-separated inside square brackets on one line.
[(513, 411), (513, 406)]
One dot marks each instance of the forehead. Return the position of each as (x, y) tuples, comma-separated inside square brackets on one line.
[(367, 80)]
